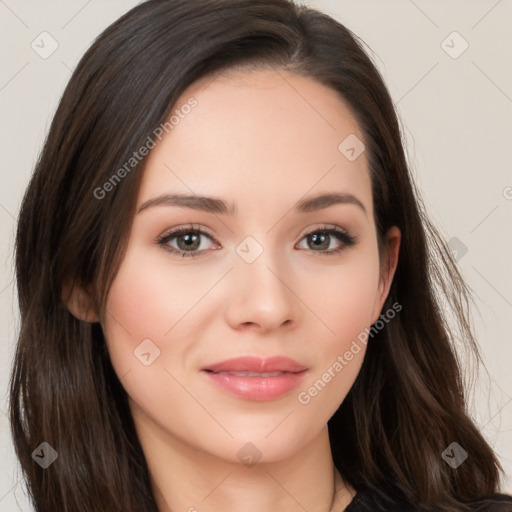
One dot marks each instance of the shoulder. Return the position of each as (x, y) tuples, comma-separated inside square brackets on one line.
[(367, 500)]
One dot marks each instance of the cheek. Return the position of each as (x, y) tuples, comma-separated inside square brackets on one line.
[(352, 309), (148, 296), (145, 302), (343, 298), (343, 302)]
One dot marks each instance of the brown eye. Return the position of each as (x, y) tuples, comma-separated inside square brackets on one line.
[(185, 241)]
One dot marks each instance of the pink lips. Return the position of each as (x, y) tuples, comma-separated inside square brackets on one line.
[(255, 378)]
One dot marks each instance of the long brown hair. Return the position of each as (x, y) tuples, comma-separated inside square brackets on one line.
[(408, 402)]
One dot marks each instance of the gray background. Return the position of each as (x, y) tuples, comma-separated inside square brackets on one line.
[(456, 113)]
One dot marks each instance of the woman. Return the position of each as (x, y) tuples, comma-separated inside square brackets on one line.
[(226, 292)]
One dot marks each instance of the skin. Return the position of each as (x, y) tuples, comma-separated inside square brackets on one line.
[(263, 140)]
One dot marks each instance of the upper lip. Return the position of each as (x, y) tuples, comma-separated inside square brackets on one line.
[(257, 364)]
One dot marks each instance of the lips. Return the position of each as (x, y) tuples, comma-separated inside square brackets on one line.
[(253, 378), (256, 365)]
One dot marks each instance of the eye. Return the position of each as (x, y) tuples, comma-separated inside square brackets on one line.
[(185, 241), (321, 240)]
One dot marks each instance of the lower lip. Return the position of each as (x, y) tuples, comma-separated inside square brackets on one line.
[(257, 388)]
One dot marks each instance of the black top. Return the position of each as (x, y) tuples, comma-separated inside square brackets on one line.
[(368, 501)]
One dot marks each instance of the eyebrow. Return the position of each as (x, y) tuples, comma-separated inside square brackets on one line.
[(219, 206)]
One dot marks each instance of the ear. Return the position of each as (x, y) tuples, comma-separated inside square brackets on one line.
[(79, 302), (387, 269)]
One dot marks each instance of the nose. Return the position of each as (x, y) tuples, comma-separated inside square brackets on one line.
[(261, 295)]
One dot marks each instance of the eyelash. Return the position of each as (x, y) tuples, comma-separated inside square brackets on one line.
[(346, 239)]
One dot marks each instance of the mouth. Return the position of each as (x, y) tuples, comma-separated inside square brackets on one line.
[(253, 378)]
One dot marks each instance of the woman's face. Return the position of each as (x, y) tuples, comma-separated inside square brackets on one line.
[(260, 281)]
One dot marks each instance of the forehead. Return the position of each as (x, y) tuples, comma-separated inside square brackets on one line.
[(256, 134)]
